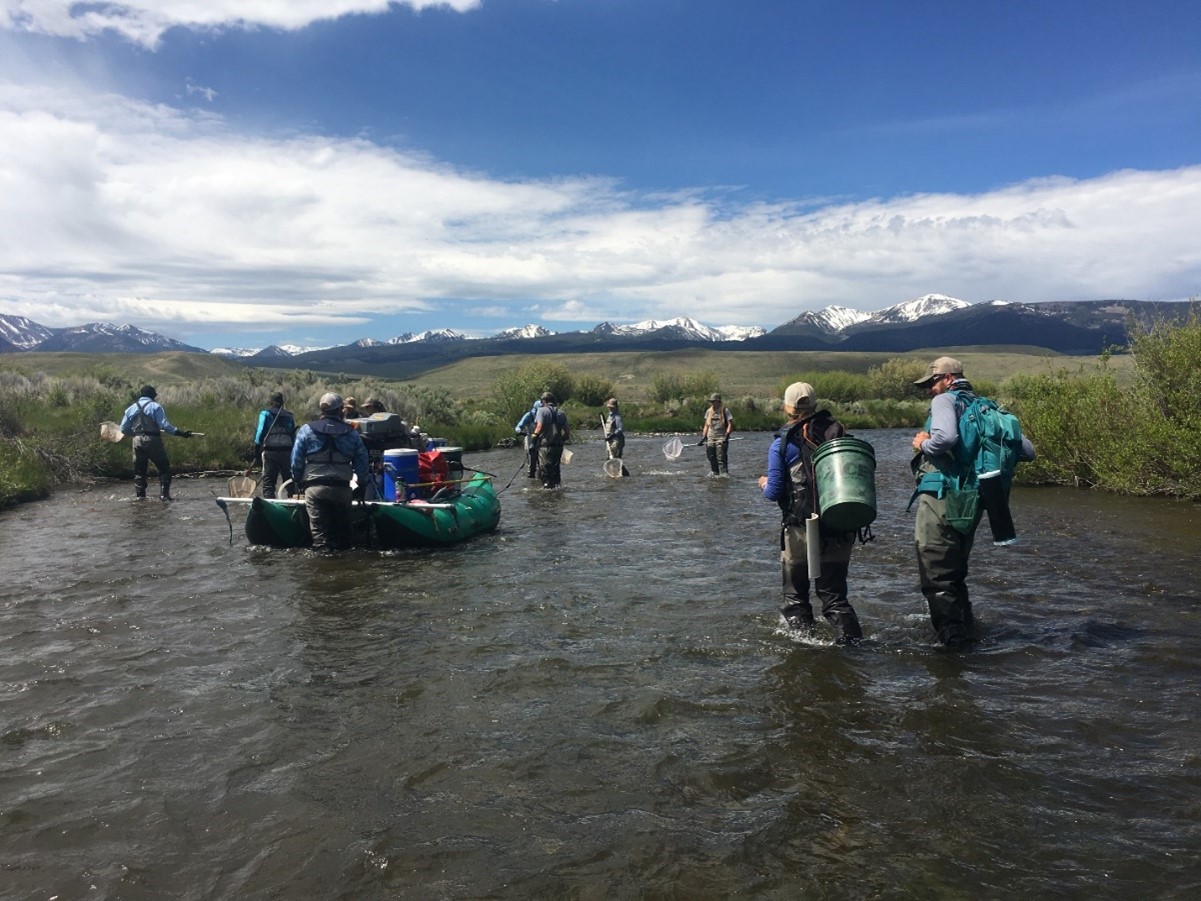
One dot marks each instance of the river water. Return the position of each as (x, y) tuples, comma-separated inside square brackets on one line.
[(595, 702)]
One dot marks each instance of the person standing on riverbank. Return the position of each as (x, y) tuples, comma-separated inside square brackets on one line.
[(715, 435), (945, 525), (550, 434), (273, 440), (792, 484), (146, 420), (326, 454)]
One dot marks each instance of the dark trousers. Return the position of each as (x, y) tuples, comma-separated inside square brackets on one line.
[(549, 462), (276, 463), (942, 563), (531, 451), (718, 454), (329, 508), (830, 585), (149, 449)]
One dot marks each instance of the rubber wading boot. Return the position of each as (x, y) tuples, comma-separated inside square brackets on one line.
[(139, 492), (846, 625)]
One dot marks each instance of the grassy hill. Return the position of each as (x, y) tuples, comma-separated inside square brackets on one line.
[(757, 374), (738, 373), (169, 368)]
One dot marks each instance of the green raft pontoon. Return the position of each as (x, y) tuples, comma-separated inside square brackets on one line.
[(448, 518)]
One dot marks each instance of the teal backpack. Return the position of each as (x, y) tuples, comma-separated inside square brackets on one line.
[(990, 437)]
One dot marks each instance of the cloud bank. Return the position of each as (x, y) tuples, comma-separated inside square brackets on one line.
[(144, 21), (113, 209)]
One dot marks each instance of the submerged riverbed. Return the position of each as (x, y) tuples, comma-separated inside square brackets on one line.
[(596, 701)]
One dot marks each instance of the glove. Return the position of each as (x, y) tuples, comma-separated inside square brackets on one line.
[(359, 493), (184, 433), (701, 443), (519, 431)]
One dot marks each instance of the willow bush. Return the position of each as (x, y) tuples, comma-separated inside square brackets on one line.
[(1145, 439)]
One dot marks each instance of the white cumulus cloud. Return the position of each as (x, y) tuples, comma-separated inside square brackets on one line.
[(113, 209)]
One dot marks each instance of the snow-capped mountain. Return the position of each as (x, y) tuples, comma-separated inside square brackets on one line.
[(525, 331), (234, 351), (105, 337), (682, 328), (918, 308), (21, 333), (832, 320), (443, 334)]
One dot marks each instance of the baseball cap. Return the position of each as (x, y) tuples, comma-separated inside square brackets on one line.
[(800, 396), (941, 366), (331, 401)]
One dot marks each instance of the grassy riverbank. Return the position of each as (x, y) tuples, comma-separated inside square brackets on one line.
[(51, 405)]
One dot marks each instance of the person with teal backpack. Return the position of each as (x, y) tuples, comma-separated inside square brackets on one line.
[(963, 464)]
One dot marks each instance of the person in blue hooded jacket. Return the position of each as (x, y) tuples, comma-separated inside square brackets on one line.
[(327, 453), (146, 421)]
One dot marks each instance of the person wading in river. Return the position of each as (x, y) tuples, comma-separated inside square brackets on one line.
[(715, 435), (146, 420), (525, 428), (550, 434), (791, 483), (326, 453), (273, 440), (943, 541)]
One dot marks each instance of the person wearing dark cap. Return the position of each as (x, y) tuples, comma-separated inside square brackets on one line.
[(791, 482), (327, 453), (273, 439), (146, 421), (943, 543), (371, 406), (715, 435), (550, 434), (350, 408)]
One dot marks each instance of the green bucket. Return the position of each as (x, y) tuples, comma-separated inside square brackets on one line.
[(846, 484)]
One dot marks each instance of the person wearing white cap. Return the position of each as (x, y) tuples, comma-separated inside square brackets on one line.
[(791, 483), (614, 431), (943, 549), (326, 453)]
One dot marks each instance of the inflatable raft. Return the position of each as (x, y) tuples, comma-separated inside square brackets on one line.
[(450, 517)]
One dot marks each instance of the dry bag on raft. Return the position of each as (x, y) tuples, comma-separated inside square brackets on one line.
[(845, 469)]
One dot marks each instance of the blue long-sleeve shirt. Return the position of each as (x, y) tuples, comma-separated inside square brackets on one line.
[(153, 410), (526, 423), (773, 490)]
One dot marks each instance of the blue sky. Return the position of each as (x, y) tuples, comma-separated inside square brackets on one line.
[(239, 173)]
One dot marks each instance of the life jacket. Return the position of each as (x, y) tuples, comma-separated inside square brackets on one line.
[(327, 465), (144, 424), (799, 499), (281, 432)]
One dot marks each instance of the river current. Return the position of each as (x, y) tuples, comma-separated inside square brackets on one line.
[(596, 701)]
